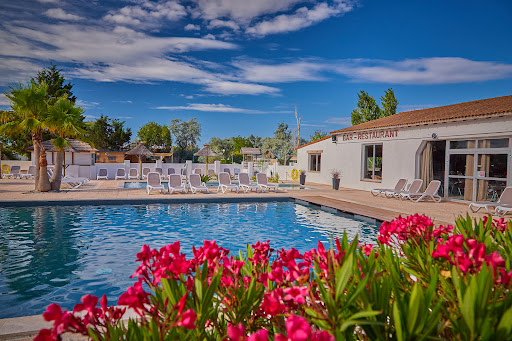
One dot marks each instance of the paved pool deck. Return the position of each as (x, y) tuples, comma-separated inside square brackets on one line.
[(15, 192)]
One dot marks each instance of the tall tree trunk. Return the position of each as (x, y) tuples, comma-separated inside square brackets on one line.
[(57, 172), (36, 161), (44, 181)]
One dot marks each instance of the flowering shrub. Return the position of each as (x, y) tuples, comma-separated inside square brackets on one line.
[(419, 282)]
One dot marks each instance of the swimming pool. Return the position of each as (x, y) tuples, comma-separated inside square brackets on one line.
[(213, 184), (59, 253)]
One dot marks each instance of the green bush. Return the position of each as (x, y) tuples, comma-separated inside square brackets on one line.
[(420, 282)]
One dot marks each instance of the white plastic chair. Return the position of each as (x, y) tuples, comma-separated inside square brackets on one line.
[(245, 183), (102, 174), (133, 173), (30, 174), (262, 181), (505, 199), (175, 184), (14, 172), (195, 184), (170, 171), (145, 172), (154, 182), (387, 192), (430, 193), (225, 183), (414, 188), (120, 174)]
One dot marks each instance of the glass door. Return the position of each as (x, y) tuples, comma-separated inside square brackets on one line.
[(478, 170)]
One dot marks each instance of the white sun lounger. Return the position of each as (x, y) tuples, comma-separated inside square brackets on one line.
[(245, 183), (388, 192), (197, 171), (262, 181), (170, 171), (414, 188), (102, 174), (120, 174), (154, 182), (503, 209), (236, 172), (145, 172), (211, 172), (175, 184), (30, 174), (430, 193), (225, 183), (14, 172), (195, 184), (133, 173), (505, 199), (72, 182)]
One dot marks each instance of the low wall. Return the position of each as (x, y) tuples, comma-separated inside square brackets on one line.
[(23, 164)]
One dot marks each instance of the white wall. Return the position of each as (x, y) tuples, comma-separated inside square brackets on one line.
[(398, 153)]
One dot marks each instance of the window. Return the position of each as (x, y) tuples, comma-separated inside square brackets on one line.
[(372, 167), (314, 162), (112, 158)]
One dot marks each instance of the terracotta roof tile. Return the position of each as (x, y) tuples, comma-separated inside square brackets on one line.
[(307, 144), (472, 109)]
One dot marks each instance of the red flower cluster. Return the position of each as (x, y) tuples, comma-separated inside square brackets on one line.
[(297, 329), (469, 255), (416, 228), (498, 224)]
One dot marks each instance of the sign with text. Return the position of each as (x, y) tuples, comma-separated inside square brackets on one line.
[(370, 135)]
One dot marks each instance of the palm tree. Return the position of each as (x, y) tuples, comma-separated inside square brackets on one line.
[(29, 110), (65, 120)]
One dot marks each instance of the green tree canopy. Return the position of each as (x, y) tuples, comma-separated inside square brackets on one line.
[(108, 134), (186, 134), (368, 109), (317, 135), (281, 144), (55, 82), (156, 136)]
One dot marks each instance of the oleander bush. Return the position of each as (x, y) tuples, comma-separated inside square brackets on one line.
[(420, 282)]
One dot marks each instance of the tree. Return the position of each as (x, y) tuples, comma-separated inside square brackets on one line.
[(281, 144), (389, 103), (317, 135), (108, 134), (65, 120), (55, 81), (29, 112), (14, 145), (186, 134), (368, 109), (297, 139), (224, 147), (157, 137)]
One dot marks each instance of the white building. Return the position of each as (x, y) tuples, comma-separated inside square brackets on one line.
[(467, 146)]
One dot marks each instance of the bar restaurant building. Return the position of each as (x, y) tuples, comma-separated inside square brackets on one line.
[(467, 146)]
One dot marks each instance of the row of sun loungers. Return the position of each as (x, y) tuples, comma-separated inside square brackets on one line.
[(412, 193), (133, 173), (15, 172), (176, 183)]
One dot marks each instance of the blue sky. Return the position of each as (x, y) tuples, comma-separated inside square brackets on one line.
[(240, 66)]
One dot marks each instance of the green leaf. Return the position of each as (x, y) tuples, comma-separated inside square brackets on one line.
[(343, 276), (415, 311), (398, 322)]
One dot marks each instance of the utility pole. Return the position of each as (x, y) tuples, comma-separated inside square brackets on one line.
[(298, 117)]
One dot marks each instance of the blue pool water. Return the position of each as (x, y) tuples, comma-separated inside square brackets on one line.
[(59, 253)]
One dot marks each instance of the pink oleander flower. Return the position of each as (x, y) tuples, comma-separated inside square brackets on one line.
[(260, 335), (296, 294), (297, 329), (135, 297), (188, 319), (367, 249), (236, 333), (272, 302)]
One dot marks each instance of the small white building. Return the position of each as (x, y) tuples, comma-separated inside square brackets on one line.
[(467, 146)]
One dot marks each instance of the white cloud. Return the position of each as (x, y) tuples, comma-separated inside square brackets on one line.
[(238, 88), (242, 11), (280, 73), (344, 121), (4, 101), (209, 36), (49, 1), (86, 104), (223, 23), (147, 14), (59, 13), (303, 17), (411, 107), (220, 108), (14, 70), (437, 70), (192, 27)]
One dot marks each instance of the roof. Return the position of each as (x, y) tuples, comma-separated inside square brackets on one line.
[(307, 144), (76, 146), (140, 149), (206, 151), (474, 109), (250, 151)]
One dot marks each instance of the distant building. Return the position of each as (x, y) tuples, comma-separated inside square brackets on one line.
[(78, 153), (467, 146)]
